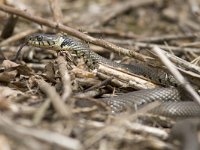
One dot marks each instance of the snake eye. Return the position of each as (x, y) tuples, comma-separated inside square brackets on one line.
[(39, 38)]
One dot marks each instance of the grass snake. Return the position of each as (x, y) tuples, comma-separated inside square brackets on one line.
[(172, 104)]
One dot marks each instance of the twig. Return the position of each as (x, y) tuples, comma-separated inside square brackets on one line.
[(105, 82), (75, 33), (11, 131), (136, 127), (114, 81), (40, 113), (150, 45), (57, 13), (36, 66), (87, 96), (178, 61), (191, 44), (144, 110), (87, 82), (66, 81), (119, 8), (163, 38), (17, 37), (183, 63), (51, 93), (119, 128), (9, 27), (133, 80), (171, 67), (18, 52), (91, 93), (44, 135), (114, 33), (23, 110)]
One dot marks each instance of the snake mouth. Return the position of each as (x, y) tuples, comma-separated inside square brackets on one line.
[(42, 40)]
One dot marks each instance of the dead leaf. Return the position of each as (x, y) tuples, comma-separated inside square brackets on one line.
[(82, 73), (7, 92), (9, 64), (24, 70), (7, 76), (50, 72), (4, 104)]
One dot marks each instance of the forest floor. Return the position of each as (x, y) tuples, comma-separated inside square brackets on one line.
[(42, 94)]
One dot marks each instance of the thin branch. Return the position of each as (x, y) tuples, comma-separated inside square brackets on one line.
[(112, 33), (75, 33), (114, 81), (9, 27), (136, 127), (133, 80), (178, 61), (40, 113), (44, 135), (97, 86), (17, 37), (171, 67), (11, 131), (164, 38), (66, 81), (150, 45), (57, 13), (51, 93), (119, 8)]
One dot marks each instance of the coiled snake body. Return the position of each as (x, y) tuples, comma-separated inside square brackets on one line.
[(171, 105)]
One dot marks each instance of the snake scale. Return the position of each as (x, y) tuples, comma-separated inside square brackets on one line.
[(172, 104)]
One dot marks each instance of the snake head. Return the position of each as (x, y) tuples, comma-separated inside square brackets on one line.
[(44, 41)]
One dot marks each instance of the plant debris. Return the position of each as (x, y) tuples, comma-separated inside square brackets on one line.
[(50, 100)]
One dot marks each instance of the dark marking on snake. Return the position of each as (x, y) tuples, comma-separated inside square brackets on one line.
[(67, 42)]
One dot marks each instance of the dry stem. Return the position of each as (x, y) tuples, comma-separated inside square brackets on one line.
[(51, 93), (67, 90), (75, 33), (171, 67)]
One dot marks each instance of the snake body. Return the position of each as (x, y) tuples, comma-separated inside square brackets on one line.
[(175, 108)]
